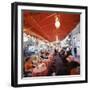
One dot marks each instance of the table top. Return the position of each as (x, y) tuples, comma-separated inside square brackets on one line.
[(40, 70)]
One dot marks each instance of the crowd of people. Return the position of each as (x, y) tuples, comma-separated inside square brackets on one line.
[(59, 62)]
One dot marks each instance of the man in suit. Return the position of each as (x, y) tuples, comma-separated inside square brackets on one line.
[(60, 68)]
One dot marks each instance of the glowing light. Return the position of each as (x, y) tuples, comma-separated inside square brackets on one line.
[(57, 23)]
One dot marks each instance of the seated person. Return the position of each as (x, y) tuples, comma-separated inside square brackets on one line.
[(28, 66), (70, 58), (74, 68), (42, 54), (59, 67), (35, 60)]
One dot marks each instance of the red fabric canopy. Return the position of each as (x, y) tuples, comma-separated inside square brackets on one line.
[(43, 23)]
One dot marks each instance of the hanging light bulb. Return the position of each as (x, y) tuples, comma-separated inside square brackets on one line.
[(57, 22)]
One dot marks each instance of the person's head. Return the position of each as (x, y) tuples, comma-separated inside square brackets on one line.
[(50, 56), (66, 54), (70, 58), (55, 51), (28, 59), (41, 52), (59, 49), (46, 53), (62, 52), (35, 59)]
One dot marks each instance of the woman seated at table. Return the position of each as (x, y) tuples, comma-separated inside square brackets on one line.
[(35, 60)]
